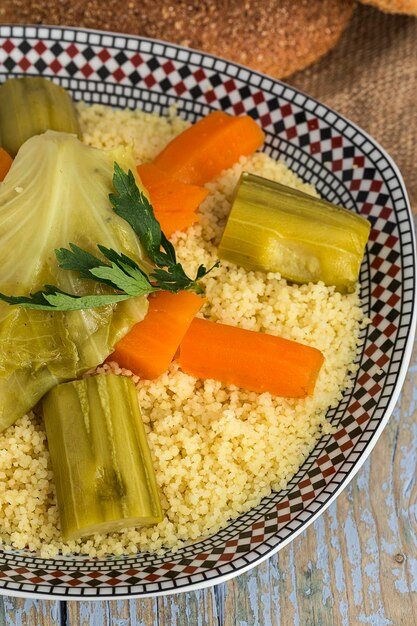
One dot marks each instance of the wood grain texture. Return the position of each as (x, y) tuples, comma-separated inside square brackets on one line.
[(197, 608), (26, 612), (370, 77)]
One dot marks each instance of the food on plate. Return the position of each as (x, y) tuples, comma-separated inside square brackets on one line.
[(149, 348), (157, 270), (103, 471), (254, 361), (31, 105), (210, 441), (57, 191), (274, 228)]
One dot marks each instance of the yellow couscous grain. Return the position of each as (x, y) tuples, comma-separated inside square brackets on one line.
[(218, 450)]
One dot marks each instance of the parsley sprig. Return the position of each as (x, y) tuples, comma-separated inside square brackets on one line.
[(119, 272)]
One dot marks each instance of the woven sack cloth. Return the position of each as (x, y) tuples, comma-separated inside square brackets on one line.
[(371, 78)]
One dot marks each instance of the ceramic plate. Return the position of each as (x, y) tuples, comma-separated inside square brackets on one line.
[(347, 167)]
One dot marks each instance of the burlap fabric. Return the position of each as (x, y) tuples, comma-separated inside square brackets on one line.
[(370, 76)]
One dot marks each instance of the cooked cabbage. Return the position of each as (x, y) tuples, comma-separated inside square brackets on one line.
[(56, 193)]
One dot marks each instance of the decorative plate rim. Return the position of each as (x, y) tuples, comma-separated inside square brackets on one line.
[(369, 445)]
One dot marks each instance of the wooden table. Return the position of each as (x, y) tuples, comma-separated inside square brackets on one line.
[(357, 564)]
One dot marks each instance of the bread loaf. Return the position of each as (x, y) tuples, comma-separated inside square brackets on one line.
[(277, 37), (395, 6)]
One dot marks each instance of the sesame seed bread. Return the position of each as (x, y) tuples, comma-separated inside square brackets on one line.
[(408, 7), (277, 37)]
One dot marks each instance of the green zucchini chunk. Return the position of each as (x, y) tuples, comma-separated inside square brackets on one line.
[(103, 471), (30, 106), (275, 228)]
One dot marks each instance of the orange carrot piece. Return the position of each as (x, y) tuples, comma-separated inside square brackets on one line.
[(169, 194), (213, 144), (174, 203), (5, 163), (255, 361), (171, 221), (148, 349)]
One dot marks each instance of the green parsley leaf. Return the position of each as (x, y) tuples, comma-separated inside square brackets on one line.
[(125, 278), (53, 298), (117, 257), (77, 260), (121, 273), (133, 206)]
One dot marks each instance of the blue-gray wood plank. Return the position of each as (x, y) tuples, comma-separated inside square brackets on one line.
[(357, 564)]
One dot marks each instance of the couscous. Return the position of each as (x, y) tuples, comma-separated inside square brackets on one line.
[(217, 449)]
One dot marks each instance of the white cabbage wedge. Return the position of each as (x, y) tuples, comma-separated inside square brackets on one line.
[(56, 193)]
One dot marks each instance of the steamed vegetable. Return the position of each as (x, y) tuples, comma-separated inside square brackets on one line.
[(5, 163), (57, 191), (31, 105), (213, 144), (123, 273), (255, 361), (275, 228), (148, 349), (174, 203), (102, 465)]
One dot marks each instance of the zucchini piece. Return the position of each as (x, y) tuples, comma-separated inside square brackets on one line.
[(274, 228), (30, 106), (100, 457)]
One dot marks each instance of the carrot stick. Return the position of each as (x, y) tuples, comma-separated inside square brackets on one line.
[(5, 163), (171, 221), (174, 203), (213, 144), (255, 361), (148, 349)]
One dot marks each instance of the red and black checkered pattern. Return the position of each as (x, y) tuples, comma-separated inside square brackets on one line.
[(347, 167)]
